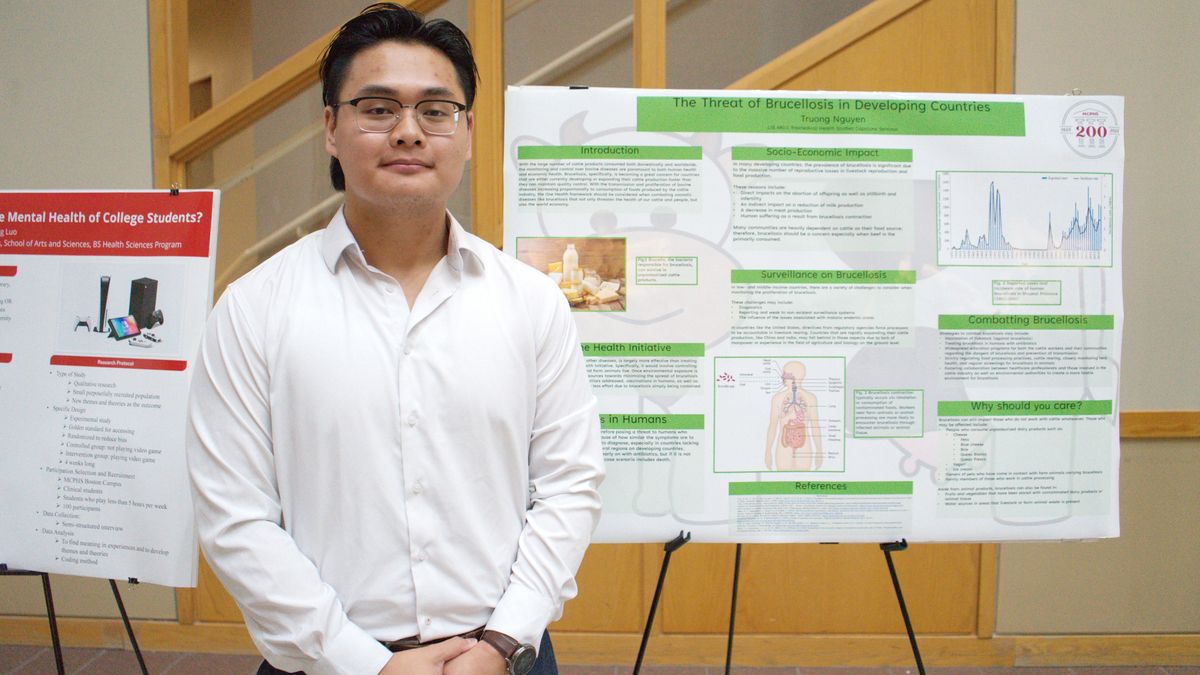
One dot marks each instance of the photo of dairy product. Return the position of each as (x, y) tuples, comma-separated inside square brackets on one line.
[(590, 271)]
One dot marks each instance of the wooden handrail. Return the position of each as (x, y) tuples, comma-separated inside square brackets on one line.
[(265, 159), (299, 226), (581, 52), (824, 44), (255, 100)]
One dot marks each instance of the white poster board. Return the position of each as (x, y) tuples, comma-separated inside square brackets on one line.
[(103, 299), (824, 316)]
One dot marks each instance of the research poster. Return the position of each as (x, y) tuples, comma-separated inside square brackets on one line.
[(103, 300), (835, 316)]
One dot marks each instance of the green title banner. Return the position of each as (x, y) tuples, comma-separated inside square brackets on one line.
[(1022, 408), (823, 276), (608, 152), (1025, 321), (884, 487), (675, 349), (910, 117), (821, 155), (641, 421)]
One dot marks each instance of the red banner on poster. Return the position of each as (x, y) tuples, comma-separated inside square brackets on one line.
[(117, 362), (106, 223)]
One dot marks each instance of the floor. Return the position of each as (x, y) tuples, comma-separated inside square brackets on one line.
[(28, 660)]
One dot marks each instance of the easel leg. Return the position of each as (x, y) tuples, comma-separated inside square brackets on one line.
[(128, 626), (737, 567), (670, 548), (58, 655), (912, 638)]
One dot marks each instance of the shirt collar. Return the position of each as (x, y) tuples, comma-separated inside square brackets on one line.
[(339, 241)]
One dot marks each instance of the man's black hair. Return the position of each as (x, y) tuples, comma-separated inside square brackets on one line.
[(387, 21)]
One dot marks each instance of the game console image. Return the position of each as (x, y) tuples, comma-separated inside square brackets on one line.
[(103, 303), (142, 294), (108, 307), (123, 328)]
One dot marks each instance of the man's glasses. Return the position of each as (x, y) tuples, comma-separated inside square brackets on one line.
[(378, 115)]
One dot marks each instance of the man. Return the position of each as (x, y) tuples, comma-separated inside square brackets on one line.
[(391, 437)]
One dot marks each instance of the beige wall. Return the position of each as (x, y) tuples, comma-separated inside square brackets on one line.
[(1143, 582), (74, 95), (1146, 580), (1147, 53), (75, 104)]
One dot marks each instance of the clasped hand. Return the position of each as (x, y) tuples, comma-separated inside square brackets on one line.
[(456, 656)]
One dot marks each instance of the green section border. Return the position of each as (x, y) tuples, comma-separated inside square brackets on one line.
[(639, 282), (780, 487), (1059, 408), (855, 413), (795, 154), (641, 349), (586, 152), (650, 421), (1026, 321), (823, 276), (758, 446), (844, 116)]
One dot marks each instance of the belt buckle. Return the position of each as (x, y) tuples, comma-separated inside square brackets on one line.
[(403, 644)]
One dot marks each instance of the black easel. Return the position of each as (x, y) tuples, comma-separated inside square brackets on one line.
[(737, 568), (669, 548), (737, 564), (912, 637), (128, 626), (50, 615)]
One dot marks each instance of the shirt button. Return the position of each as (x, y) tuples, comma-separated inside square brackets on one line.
[(420, 556), (389, 290), (417, 488), (407, 350), (428, 621), (412, 420)]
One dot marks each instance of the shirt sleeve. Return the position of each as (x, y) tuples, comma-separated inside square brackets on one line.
[(295, 619), (565, 470)]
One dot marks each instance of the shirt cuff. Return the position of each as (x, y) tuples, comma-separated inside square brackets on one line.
[(523, 615), (351, 652)]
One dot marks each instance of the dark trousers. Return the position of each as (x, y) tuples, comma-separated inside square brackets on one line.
[(545, 664)]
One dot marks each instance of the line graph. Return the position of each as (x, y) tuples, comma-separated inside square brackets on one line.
[(1024, 218)]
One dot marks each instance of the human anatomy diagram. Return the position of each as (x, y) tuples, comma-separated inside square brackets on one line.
[(794, 430)]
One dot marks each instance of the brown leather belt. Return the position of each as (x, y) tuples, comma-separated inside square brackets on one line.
[(412, 642)]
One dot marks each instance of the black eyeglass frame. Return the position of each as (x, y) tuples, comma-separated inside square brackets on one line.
[(459, 108)]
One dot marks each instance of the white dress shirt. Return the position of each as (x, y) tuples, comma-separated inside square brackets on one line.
[(363, 471)]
